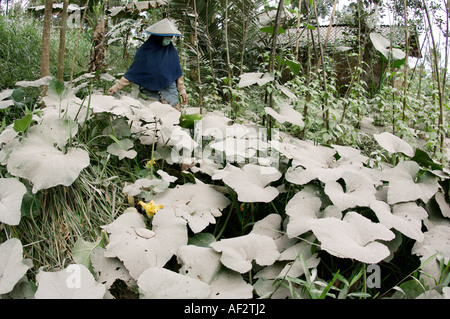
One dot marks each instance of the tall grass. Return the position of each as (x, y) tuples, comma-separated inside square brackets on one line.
[(20, 50)]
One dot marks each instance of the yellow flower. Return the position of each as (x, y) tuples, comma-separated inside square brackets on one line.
[(150, 163), (150, 208)]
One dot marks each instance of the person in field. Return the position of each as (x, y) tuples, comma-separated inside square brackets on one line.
[(156, 67)]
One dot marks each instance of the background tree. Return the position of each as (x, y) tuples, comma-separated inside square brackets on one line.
[(45, 50)]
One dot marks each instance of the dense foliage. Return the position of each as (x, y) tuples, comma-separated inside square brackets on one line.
[(285, 186)]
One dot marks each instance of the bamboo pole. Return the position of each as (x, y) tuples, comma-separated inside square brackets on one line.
[(438, 80), (405, 83), (62, 42), (297, 45), (228, 60), (45, 50), (200, 97), (328, 31), (80, 29), (324, 76)]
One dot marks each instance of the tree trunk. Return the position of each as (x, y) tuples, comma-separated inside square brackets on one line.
[(244, 32), (209, 44), (228, 60), (438, 80), (98, 53), (199, 79), (297, 44), (275, 36), (62, 42), (328, 30), (45, 50), (324, 76), (405, 83)]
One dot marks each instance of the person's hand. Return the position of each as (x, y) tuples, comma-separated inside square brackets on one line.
[(184, 99), (112, 90)]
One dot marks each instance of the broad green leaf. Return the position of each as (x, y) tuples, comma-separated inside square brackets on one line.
[(269, 30), (18, 95), (409, 290), (22, 124), (201, 239), (423, 159), (57, 87), (81, 251), (294, 66)]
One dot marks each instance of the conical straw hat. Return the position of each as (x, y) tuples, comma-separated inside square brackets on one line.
[(163, 28)]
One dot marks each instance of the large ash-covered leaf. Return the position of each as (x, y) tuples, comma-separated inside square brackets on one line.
[(292, 261), (443, 204), (125, 106), (108, 270), (73, 282), (66, 105), (44, 165), (405, 185), (5, 99), (436, 241), (140, 248), (393, 144), (43, 158), (250, 182), (239, 252), (145, 187), (384, 46), (251, 78), (352, 237), (268, 226), (359, 191), (36, 83), (286, 114), (204, 263), (198, 203), (156, 111), (12, 265), (11, 195), (405, 217), (433, 251), (305, 206), (311, 162), (53, 131), (239, 149), (161, 283)]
